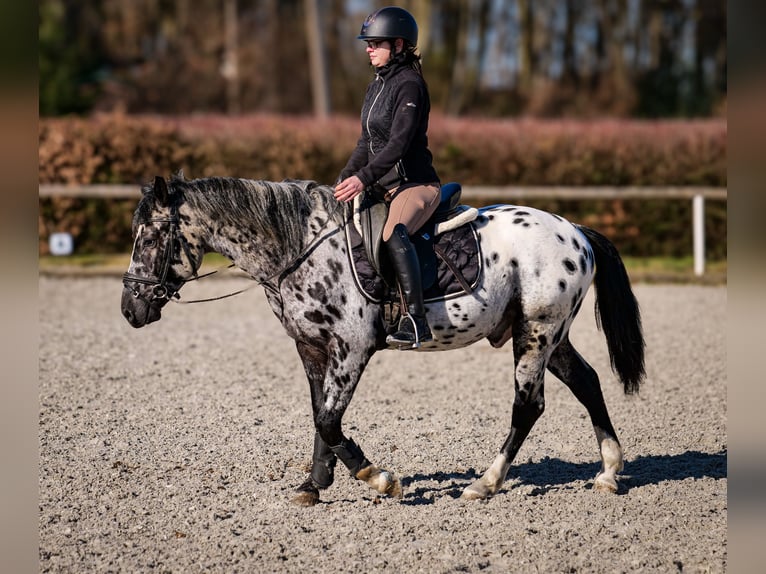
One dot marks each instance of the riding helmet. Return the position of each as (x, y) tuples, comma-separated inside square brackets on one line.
[(390, 22)]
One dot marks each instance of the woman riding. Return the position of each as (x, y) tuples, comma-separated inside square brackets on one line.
[(392, 158)]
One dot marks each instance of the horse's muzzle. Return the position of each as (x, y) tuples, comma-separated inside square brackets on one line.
[(137, 310)]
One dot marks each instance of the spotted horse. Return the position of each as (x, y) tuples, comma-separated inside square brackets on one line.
[(288, 236)]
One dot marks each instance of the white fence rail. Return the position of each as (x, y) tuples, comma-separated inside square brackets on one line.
[(507, 194)]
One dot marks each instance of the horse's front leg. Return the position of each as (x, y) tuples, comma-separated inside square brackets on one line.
[(332, 380), (321, 476), (362, 469)]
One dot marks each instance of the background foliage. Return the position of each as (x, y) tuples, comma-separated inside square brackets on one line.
[(130, 149), (130, 89), (543, 58)]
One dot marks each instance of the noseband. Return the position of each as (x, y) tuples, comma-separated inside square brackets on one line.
[(161, 290)]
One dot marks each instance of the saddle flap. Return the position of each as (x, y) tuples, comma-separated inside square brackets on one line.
[(370, 215)]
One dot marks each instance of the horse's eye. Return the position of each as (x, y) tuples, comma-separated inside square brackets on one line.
[(149, 243)]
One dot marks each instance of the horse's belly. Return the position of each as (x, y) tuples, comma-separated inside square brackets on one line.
[(462, 321)]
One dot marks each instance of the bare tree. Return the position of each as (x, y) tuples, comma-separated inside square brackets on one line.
[(615, 89), (320, 88), (710, 55), (526, 47), (469, 54), (230, 64), (421, 11), (569, 74)]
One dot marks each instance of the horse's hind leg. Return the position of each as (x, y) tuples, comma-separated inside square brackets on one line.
[(569, 366), (530, 350)]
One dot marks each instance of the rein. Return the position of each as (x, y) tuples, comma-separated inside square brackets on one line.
[(298, 260), (163, 291)]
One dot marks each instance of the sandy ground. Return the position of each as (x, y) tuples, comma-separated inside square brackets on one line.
[(176, 448)]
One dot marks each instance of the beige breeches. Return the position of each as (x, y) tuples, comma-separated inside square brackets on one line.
[(411, 206)]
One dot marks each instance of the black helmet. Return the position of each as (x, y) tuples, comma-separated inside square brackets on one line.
[(390, 22)]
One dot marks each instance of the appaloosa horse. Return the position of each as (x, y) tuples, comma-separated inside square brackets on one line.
[(536, 268)]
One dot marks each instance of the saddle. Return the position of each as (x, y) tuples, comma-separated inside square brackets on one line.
[(447, 247)]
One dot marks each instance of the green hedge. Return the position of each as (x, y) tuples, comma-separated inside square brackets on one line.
[(127, 149)]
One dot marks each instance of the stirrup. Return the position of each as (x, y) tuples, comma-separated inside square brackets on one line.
[(413, 331)]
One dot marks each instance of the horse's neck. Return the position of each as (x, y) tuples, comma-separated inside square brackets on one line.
[(260, 252), (256, 254)]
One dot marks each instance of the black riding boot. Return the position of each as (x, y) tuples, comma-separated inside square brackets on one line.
[(413, 327)]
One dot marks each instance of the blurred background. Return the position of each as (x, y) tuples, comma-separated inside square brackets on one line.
[(492, 58), (121, 82), (609, 112)]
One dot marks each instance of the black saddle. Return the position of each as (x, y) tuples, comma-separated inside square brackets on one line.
[(447, 247)]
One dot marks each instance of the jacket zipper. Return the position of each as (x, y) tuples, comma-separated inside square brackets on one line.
[(369, 113)]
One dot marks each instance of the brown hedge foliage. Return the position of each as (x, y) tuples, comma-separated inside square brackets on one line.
[(128, 149), (110, 149)]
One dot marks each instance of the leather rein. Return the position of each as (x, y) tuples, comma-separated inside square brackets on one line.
[(163, 291)]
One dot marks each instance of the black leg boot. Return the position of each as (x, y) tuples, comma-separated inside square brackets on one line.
[(413, 327), (322, 474)]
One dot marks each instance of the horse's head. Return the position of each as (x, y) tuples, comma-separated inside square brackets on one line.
[(162, 259)]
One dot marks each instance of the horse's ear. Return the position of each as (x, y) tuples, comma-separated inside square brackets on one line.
[(161, 191)]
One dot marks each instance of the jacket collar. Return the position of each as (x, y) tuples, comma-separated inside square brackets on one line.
[(390, 69)]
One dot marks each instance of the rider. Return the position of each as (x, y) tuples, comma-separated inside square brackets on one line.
[(392, 158)]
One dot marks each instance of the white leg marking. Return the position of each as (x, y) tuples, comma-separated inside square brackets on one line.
[(611, 457), (381, 480), (490, 482)]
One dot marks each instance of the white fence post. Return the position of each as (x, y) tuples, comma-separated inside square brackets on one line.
[(698, 230)]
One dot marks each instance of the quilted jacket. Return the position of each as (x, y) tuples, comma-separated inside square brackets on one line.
[(393, 146)]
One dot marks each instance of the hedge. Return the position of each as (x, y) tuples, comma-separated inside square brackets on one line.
[(129, 149)]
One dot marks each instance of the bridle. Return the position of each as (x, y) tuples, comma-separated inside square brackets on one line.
[(162, 291)]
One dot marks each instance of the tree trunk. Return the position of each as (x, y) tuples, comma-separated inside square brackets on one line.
[(526, 47), (320, 88), (230, 64), (615, 86)]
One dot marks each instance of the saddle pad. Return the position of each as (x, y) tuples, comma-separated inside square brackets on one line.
[(460, 246)]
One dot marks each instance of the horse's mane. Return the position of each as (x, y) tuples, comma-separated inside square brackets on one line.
[(272, 209)]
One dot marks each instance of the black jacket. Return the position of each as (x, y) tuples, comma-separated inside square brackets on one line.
[(393, 146)]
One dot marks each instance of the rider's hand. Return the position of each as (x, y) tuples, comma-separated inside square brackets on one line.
[(349, 188)]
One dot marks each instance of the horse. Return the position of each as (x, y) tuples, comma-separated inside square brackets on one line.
[(536, 268)]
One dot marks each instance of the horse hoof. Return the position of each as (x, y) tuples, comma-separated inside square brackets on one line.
[(476, 491), (605, 484), (394, 488), (381, 480), (305, 498), (306, 494), (386, 483)]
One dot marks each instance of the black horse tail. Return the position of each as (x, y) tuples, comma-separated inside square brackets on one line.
[(617, 312)]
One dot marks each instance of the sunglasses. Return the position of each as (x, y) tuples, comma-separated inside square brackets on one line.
[(375, 44)]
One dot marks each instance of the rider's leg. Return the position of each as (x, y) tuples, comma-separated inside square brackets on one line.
[(409, 210), (413, 327), (411, 206)]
